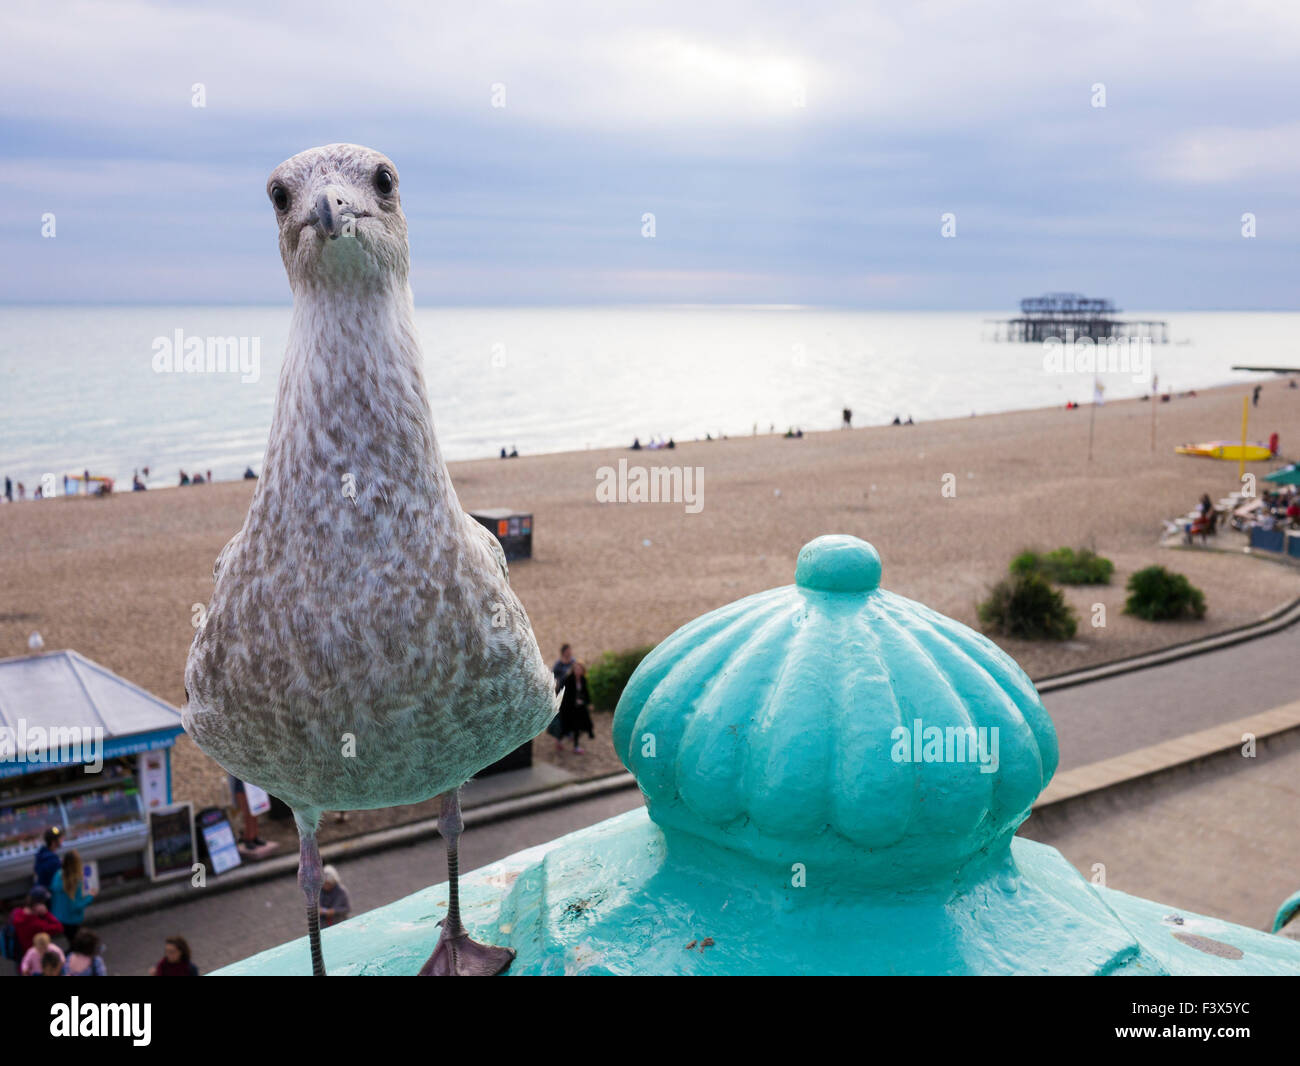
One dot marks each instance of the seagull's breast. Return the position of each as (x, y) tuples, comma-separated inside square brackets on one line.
[(383, 660)]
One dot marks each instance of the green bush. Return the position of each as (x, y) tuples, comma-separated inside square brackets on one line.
[(1160, 595), (1025, 605), (1066, 566), (608, 675)]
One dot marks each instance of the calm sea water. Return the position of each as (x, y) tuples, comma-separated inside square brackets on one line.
[(79, 389)]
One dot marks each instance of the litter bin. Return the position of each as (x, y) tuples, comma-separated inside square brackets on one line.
[(513, 529)]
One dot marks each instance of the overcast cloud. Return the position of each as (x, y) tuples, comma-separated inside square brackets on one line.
[(789, 153)]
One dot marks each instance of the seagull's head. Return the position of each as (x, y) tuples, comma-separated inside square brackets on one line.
[(340, 218)]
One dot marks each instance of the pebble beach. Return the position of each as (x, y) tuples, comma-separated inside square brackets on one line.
[(117, 578)]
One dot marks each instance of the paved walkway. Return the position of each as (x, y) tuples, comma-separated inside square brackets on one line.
[(1106, 718)]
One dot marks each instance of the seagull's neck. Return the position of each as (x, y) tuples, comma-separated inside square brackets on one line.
[(352, 401)]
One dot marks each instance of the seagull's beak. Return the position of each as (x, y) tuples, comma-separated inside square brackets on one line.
[(333, 212)]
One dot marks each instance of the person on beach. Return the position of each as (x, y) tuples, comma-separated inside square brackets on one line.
[(576, 708), (636, 444), (69, 898), (848, 419), (185, 478), (84, 960), (562, 671), (334, 903), (175, 961), (32, 918), (9, 490), (574, 718), (1254, 399), (47, 862), (34, 961)]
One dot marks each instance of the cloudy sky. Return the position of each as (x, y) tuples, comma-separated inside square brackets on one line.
[(789, 153)]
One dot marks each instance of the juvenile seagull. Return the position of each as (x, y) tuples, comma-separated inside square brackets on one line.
[(362, 647)]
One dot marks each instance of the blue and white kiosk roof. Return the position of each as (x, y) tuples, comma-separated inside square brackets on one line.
[(60, 691), (833, 778)]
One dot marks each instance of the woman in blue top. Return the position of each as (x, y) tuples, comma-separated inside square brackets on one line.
[(70, 907)]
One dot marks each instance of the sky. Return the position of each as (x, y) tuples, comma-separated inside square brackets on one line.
[(808, 153)]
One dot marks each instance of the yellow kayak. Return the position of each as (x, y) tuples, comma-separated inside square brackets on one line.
[(1251, 452)]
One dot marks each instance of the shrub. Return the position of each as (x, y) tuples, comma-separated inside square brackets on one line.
[(1025, 605), (608, 675), (1066, 566), (1160, 595)]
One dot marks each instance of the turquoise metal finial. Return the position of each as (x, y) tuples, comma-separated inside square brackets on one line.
[(838, 564), (834, 723)]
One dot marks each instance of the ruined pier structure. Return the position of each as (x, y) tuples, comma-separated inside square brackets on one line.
[(1070, 316)]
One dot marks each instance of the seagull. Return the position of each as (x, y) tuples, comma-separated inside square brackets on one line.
[(362, 647)]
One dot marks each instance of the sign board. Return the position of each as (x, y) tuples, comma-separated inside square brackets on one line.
[(90, 877), (219, 839), (171, 851), (153, 779), (258, 801)]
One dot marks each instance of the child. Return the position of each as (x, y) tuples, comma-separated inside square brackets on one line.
[(52, 963), (33, 961)]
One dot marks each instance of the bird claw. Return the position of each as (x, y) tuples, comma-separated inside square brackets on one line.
[(459, 956)]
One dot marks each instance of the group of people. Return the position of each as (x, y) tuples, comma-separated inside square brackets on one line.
[(655, 444), (1278, 510), (56, 907), (574, 717), (197, 479), (104, 486)]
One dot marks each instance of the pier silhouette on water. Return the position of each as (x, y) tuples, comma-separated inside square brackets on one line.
[(1070, 316)]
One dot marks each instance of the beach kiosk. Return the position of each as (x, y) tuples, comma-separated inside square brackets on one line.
[(84, 750)]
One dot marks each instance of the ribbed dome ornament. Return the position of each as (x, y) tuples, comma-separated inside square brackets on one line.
[(837, 725)]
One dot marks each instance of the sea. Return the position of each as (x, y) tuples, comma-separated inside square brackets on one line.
[(95, 388)]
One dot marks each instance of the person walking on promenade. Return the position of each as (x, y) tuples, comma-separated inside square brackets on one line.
[(84, 959), (47, 862), (32, 918), (334, 903), (69, 898), (175, 961), (34, 961), (574, 718)]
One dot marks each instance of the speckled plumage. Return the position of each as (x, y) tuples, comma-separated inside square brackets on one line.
[(384, 616)]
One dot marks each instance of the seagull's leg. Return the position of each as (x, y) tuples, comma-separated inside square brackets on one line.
[(310, 876), (456, 954)]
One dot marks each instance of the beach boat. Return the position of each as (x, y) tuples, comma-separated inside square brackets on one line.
[(1251, 451)]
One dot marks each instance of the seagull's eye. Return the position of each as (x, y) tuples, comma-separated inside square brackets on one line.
[(280, 197), (384, 180)]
